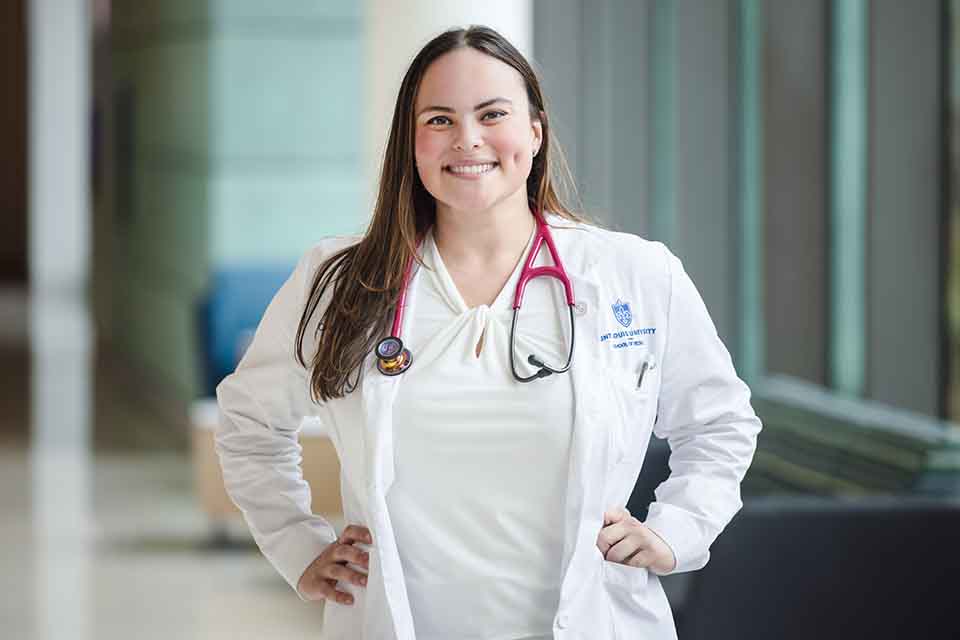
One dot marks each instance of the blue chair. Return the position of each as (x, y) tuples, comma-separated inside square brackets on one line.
[(229, 314)]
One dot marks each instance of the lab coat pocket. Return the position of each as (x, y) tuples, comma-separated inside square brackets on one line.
[(636, 399), (638, 605), (622, 576), (342, 621)]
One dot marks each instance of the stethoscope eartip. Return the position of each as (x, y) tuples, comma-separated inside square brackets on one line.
[(535, 361)]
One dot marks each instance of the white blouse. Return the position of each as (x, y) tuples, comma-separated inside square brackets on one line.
[(481, 460)]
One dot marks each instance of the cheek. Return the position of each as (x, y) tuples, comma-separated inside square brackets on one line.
[(509, 145), (427, 147)]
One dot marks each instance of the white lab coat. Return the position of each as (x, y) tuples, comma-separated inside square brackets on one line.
[(692, 397)]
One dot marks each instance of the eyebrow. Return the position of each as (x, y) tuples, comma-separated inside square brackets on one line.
[(485, 103)]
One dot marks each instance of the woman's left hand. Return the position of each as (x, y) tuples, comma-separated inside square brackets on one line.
[(626, 540)]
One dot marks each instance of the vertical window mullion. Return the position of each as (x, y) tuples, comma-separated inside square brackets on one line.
[(848, 195)]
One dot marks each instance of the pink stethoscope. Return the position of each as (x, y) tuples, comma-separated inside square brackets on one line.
[(393, 358)]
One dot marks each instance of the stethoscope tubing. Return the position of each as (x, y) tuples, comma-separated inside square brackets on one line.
[(402, 299), (530, 272), (545, 369), (393, 358)]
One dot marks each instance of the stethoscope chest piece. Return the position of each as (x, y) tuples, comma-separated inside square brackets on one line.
[(392, 358)]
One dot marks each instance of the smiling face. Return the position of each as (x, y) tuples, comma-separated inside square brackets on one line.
[(474, 137)]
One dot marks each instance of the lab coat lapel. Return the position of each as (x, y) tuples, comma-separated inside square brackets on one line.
[(378, 393), (581, 603), (387, 603), (590, 444)]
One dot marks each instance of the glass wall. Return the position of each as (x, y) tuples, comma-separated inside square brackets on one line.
[(793, 156)]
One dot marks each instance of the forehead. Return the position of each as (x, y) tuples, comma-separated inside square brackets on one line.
[(464, 77)]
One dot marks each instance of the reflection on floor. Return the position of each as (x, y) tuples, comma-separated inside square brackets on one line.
[(141, 570), (108, 541)]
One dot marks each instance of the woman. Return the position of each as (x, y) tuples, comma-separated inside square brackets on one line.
[(477, 505)]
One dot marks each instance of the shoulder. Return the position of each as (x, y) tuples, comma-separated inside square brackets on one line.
[(325, 247), (314, 257), (627, 254)]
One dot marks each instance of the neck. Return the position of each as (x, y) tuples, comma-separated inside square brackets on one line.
[(482, 237)]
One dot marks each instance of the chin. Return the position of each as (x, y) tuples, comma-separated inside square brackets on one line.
[(473, 208), (471, 204)]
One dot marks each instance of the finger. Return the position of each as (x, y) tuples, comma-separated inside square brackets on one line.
[(346, 574), (615, 515), (642, 558), (350, 553), (340, 597), (614, 533), (610, 536), (356, 533), (624, 549), (323, 589)]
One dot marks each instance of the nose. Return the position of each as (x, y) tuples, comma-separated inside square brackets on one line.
[(468, 136)]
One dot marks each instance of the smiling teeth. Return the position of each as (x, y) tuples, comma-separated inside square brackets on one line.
[(474, 169)]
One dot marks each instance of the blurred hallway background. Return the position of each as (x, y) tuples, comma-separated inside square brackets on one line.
[(163, 164)]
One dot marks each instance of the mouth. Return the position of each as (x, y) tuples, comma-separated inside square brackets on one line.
[(471, 170)]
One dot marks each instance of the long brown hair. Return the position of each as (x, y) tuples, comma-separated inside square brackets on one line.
[(366, 277)]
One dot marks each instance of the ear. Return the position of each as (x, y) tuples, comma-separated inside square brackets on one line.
[(537, 128)]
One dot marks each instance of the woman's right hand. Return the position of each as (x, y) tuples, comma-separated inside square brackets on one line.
[(319, 580)]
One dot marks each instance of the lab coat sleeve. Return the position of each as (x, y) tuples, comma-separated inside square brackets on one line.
[(262, 405), (705, 415)]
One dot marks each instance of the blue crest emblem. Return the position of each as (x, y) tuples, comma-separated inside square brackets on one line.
[(621, 311)]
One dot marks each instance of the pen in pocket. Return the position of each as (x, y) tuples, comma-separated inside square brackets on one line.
[(647, 365)]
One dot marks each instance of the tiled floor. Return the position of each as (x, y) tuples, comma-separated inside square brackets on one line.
[(111, 543), (134, 565)]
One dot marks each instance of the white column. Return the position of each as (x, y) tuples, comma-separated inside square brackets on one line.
[(61, 335), (395, 31), (59, 155)]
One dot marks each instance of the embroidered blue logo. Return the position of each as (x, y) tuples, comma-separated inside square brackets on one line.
[(621, 311)]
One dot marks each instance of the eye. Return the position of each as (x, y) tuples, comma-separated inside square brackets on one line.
[(500, 113), (431, 120)]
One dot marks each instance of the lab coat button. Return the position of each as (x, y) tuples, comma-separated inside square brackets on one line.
[(563, 620)]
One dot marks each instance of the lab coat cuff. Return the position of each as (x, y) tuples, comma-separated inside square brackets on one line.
[(301, 548), (681, 533)]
